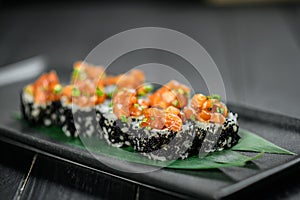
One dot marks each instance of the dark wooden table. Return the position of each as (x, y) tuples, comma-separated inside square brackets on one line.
[(256, 49)]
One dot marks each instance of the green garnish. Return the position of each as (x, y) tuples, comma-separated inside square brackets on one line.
[(188, 95), (180, 91), (136, 105), (220, 110), (28, 89), (232, 157), (76, 73), (193, 117), (109, 95), (148, 88), (99, 92), (57, 89), (152, 118), (215, 96), (148, 128), (111, 104), (145, 120), (123, 118), (75, 92), (141, 93), (175, 103)]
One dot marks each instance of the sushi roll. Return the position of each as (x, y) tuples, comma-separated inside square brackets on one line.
[(118, 114), (115, 130), (122, 110), (127, 93), (215, 127), (77, 114), (41, 99), (163, 134)]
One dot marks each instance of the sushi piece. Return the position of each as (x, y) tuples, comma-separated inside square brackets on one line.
[(117, 115), (115, 131), (41, 99), (163, 134), (78, 115), (127, 93), (216, 128)]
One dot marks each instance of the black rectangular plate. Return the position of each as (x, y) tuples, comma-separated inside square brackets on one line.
[(213, 184)]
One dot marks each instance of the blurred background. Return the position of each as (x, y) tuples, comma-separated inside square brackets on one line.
[(255, 43)]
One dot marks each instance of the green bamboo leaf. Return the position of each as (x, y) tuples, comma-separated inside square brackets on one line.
[(225, 158), (229, 156), (252, 142)]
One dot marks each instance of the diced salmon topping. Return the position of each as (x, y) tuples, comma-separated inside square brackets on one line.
[(172, 93), (84, 93), (111, 80), (157, 118), (153, 118), (207, 108), (125, 103), (132, 80), (173, 122), (45, 89), (83, 70)]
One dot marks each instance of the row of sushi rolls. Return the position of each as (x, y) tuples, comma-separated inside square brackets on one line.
[(124, 110)]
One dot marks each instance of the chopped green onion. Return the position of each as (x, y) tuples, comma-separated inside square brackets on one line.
[(215, 96), (136, 105), (148, 88), (75, 92), (141, 93), (175, 103), (76, 73), (123, 118), (28, 89), (109, 95), (180, 91), (148, 128), (193, 117), (220, 110), (99, 92), (188, 95), (152, 118), (57, 89), (111, 104)]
